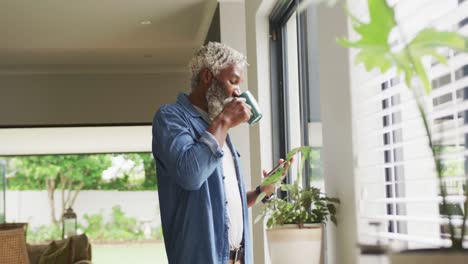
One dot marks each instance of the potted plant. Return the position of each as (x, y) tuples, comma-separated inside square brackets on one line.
[(295, 223), (375, 51)]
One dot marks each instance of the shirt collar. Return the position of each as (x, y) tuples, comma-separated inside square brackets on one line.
[(203, 114), (183, 100)]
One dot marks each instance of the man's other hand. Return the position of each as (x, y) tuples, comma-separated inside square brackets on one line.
[(270, 189), (236, 112)]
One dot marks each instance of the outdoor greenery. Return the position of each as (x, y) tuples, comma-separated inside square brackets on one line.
[(32, 172), (375, 51), (315, 164), (2, 191), (302, 204), (119, 228), (70, 174), (44, 233)]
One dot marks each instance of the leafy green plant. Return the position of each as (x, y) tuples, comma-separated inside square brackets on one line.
[(94, 226), (127, 226), (157, 233), (375, 51), (44, 233), (315, 164), (72, 173), (118, 228), (302, 205), (32, 172)]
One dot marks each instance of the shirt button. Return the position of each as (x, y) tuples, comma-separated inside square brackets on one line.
[(226, 202), (224, 177)]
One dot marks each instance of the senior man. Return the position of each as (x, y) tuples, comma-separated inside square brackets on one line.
[(203, 201)]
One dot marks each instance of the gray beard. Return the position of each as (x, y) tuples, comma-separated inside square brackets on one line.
[(216, 99)]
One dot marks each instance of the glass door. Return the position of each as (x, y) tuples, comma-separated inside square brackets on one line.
[(2, 190)]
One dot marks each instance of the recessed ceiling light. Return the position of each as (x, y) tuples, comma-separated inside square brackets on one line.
[(145, 22)]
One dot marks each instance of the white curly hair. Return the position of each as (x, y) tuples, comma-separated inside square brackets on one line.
[(215, 57)]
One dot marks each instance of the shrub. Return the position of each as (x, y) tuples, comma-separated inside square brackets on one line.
[(119, 228), (44, 233)]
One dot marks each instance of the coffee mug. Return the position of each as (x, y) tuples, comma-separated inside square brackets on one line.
[(256, 112)]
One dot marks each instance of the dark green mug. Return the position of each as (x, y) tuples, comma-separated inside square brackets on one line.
[(256, 112)]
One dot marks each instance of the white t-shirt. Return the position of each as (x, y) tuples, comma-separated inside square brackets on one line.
[(232, 192), (233, 198)]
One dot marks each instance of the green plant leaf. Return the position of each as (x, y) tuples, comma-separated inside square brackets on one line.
[(333, 219), (331, 208), (274, 178), (333, 200), (303, 150), (424, 44), (286, 187), (260, 197), (375, 50), (258, 218), (305, 205)]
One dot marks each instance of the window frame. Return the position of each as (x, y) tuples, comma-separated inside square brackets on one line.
[(279, 17)]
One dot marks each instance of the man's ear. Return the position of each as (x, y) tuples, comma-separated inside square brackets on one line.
[(206, 77)]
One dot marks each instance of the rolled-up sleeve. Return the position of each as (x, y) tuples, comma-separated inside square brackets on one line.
[(191, 159), (212, 143)]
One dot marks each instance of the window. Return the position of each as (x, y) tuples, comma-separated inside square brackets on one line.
[(101, 150), (462, 93), (442, 99), (394, 81), (445, 53), (396, 99), (384, 104), (385, 85), (461, 72), (295, 86), (2, 191), (441, 81), (463, 22), (395, 176), (101, 188)]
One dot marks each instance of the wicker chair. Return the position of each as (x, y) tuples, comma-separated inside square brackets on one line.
[(76, 250), (13, 248), (13, 244)]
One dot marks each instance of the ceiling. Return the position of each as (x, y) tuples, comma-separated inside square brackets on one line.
[(159, 35)]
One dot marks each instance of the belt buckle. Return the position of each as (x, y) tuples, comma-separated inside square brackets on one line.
[(236, 255)]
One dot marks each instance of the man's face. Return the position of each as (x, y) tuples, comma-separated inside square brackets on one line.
[(223, 89)]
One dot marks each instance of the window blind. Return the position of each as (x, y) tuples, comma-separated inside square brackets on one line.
[(396, 180)]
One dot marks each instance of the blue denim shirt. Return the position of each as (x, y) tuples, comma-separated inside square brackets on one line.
[(191, 187)]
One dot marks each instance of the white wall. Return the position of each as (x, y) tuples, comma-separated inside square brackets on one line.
[(335, 109), (336, 121), (257, 29), (232, 27), (74, 98), (33, 206), (68, 140)]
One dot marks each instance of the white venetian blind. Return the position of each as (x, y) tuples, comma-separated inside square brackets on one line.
[(397, 184)]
